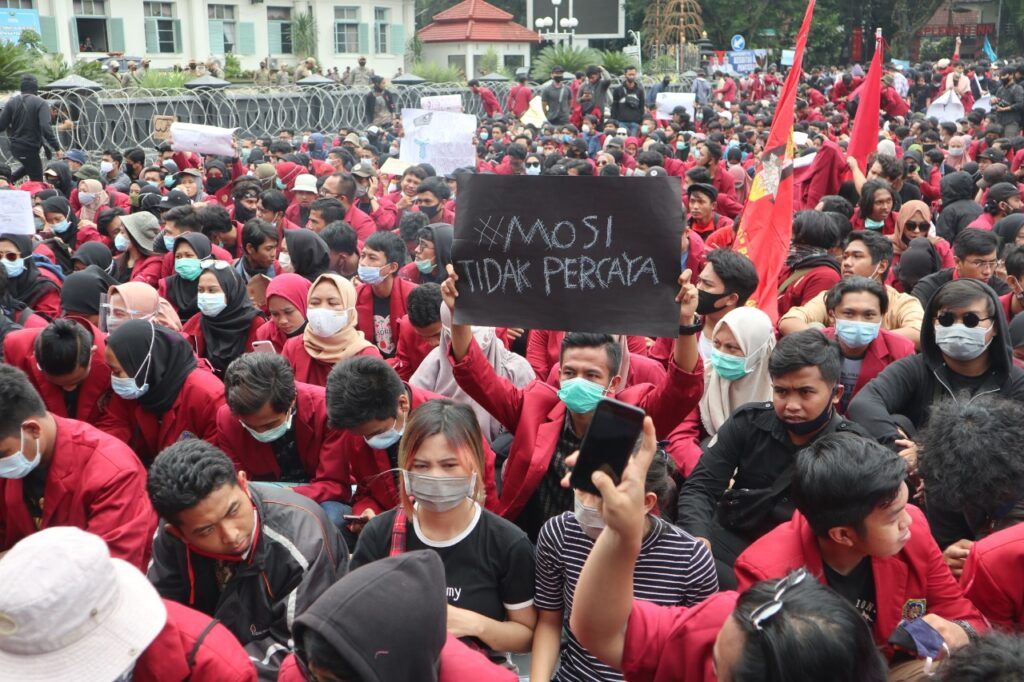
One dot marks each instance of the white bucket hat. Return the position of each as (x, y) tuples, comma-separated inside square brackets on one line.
[(305, 183), (75, 613)]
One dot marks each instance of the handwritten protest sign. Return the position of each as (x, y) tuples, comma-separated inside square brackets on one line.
[(192, 137), (162, 126), (946, 107), (535, 114), (589, 254), (667, 101), (441, 138), (442, 103), (16, 212)]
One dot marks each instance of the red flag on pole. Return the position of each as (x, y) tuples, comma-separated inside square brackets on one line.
[(864, 138), (767, 223)]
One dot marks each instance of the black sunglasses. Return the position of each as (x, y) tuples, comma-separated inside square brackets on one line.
[(533, 165), (969, 319), (912, 226)]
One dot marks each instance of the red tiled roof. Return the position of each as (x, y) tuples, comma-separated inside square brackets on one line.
[(475, 20)]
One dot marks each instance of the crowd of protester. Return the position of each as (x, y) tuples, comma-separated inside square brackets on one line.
[(242, 435)]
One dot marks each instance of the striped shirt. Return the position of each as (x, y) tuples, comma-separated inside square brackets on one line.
[(673, 569)]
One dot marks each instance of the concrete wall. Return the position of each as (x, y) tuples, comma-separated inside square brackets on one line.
[(472, 52)]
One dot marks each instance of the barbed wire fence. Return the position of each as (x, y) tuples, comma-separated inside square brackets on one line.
[(123, 118)]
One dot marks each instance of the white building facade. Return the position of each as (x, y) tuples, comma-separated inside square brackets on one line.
[(172, 32), (469, 56)]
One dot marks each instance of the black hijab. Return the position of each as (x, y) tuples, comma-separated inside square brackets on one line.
[(95, 253), (213, 185), (181, 292), (10, 306), (310, 255), (82, 291), (227, 334), (60, 205), (64, 183), (444, 237), (29, 286), (170, 361)]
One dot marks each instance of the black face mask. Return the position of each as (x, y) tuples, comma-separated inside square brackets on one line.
[(812, 425), (557, 79), (430, 211), (706, 301)]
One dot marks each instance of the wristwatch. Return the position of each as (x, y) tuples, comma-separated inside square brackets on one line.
[(691, 329)]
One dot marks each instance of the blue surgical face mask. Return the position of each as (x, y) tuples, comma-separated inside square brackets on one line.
[(14, 268), (86, 198), (61, 227), (168, 243), (645, 129), (566, 138), (153, 183), (533, 170), (369, 274), (270, 435), (211, 305), (857, 334), (121, 242), (484, 135), (169, 181), (279, 184), (873, 224), (17, 465), (680, 144), (581, 395), (188, 268), (729, 367), (383, 441), (128, 387)]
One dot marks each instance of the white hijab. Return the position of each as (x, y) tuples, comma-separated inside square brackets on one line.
[(755, 334)]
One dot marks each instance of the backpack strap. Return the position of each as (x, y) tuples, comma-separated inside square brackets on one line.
[(190, 660), (398, 530), (797, 274)]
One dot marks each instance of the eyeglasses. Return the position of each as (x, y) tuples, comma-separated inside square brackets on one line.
[(911, 226), (214, 265), (533, 165), (969, 319), (983, 264), (765, 612)]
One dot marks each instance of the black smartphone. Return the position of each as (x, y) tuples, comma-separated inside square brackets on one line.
[(608, 443)]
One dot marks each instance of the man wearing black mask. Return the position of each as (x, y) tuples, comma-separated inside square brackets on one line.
[(26, 118), (725, 283), (628, 102), (1008, 103), (556, 99)]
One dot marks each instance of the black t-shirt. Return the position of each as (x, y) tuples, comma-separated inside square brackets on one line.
[(286, 452), (488, 568), (382, 327), (71, 402), (857, 587)]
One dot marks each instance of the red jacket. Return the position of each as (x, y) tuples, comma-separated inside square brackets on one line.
[(727, 203), (886, 349), (916, 574), (535, 415), (642, 370), (93, 393), (519, 100), (412, 348), (893, 104), (684, 442), (727, 93), (193, 331), (491, 104), (386, 216), (457, 663), (318, 447), (94, 483), (818, 279), (360, 222), (148, 270), (672, 643), (193, 415), (373, 474), (544, 350), (175, 657), (992, 577), (400, 291), (308, 369)]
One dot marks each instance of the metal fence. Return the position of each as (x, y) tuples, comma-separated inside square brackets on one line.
[(123, 118)]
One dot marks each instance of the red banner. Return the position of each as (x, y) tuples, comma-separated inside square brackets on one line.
[(864, 137)]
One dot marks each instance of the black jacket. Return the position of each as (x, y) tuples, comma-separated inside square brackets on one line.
[(628, 105), (387, 618), (371, 103), (959, 209), (26, 118), (927, 286), (912, 384), (299, 553), (751, 448)]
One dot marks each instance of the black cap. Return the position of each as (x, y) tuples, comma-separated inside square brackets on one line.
[(705, 189), (174, 199), (1001, 192)]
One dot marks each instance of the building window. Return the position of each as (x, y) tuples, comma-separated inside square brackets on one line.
[(382, 29), (346, 30), (226, 15), (515, 61), (94, 8), (91, 25), (279, 22), (160, 26), (16, 4)]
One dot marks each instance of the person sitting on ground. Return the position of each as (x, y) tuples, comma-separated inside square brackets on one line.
[(137, 261), (489, 567), (419, 332), (432, 255), (250, 556), (275, 429), (995, 656), (259, 250), (138, 301), (63, 472), (344, 246), (370, 610), (809, 269), (181, 289), (382, 299), (28, 281), (227, 323), (975, 256), (286, 304), (304, 253), (103, 619), (792, 629)]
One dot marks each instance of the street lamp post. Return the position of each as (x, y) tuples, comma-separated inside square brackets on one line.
[(567, 24)]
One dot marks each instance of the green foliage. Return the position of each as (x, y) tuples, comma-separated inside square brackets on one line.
[(571, 59), (437, 73), (31, 40), (487, 62), (15, 60), (615, 62), (232, 66), (53, 67), (414, 49), (658, 66), (304, 38), (163, 80)]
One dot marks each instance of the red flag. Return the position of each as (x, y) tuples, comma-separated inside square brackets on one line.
[(864, 138), (767, 223)]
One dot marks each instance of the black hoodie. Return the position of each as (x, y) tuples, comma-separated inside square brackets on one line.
[(911, 385), (386, 619), (959, 209)]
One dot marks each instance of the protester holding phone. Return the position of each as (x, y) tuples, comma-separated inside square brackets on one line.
[(489, 566), (548, 425), (286, 302)]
